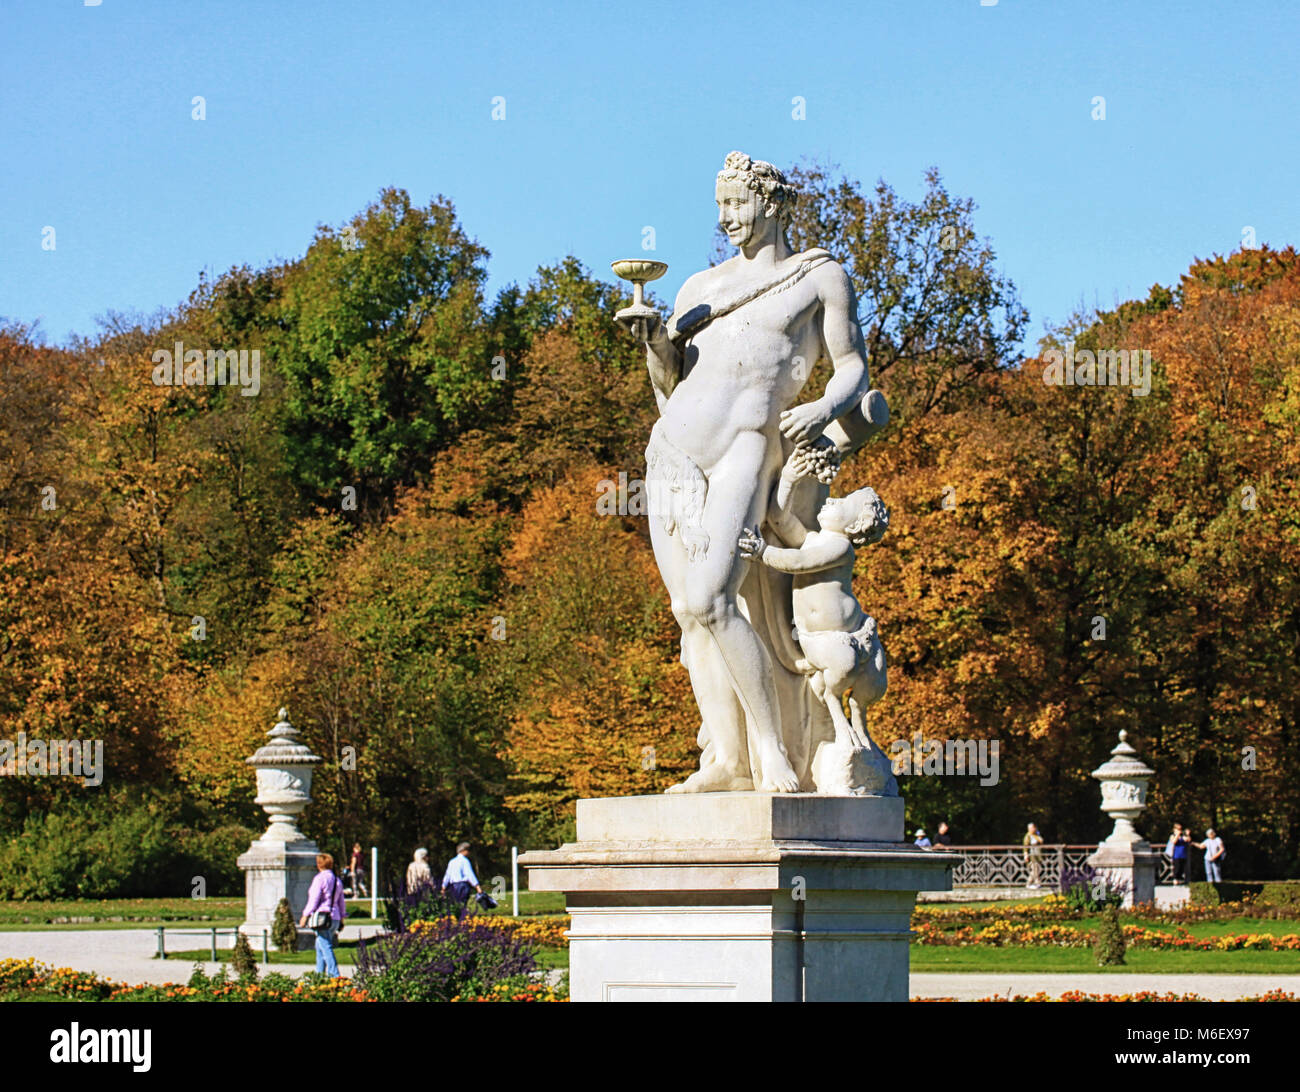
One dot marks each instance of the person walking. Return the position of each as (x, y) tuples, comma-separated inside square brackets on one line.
[(1214, 854), (459, 879), (324, 913), (1033, 852), (358, 873), (418, 872)]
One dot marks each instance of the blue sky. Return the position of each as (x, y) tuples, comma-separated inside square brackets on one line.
[(618, 117)]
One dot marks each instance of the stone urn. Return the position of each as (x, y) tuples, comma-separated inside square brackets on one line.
[(1125, 857), (281, 863), (284, 770), (1123, 780)]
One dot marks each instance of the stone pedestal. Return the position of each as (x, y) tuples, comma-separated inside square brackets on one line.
[(1130, 865), (739, 897), (275, 871)]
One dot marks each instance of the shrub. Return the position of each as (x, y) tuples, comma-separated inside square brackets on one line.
[(212, 854), (115, 845), (284, 930), (1108, 943), (1211, 894), (119, 844), (1284, 895), (442, 960), (242, 960)]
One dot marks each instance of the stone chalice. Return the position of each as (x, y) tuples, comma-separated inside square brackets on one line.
[(639, 271)]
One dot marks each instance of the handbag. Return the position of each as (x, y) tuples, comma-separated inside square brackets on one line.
[(320, 919)]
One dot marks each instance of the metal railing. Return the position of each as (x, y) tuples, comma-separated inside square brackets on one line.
[(1019, 866), (211, 933)]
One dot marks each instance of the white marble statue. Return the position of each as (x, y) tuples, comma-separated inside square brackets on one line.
[(728, 369)]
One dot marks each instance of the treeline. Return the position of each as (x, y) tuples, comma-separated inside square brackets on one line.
[(397, 537)]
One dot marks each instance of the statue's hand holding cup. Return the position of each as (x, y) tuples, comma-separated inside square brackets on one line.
[(641, 319), (643, 323)]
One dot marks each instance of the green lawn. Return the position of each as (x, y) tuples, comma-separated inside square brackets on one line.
[(123, 913), (345, 951), (551, 959), (536, 902)]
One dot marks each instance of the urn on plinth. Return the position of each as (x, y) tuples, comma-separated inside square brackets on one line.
[(1123, 780), (281, 863), (284, 769), (1125, 857)]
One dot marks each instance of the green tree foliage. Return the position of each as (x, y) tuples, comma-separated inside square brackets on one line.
[(384, 353)]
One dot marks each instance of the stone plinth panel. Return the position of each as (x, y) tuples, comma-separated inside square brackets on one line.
[(739, 897), (740, 817), (1130, 864), (275, 871)]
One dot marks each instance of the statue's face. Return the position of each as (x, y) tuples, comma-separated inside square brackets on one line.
[(740, 211), (836, 514)]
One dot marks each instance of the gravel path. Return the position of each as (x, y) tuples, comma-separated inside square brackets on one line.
[(129, 955)]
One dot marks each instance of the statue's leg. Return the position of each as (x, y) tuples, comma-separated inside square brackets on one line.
[(844, 733), (737, 497), (721, 715)]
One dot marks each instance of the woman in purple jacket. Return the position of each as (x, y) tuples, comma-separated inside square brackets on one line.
[(325, 894)]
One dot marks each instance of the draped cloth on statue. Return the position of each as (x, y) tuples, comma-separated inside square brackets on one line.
[(697, 318)]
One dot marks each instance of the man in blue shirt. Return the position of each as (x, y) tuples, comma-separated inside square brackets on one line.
[(459, 878)]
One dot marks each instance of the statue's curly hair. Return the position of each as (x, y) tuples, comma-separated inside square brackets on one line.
[(765, 180), (872, 523)]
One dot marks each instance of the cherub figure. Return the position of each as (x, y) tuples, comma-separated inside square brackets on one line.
[(842, 652)]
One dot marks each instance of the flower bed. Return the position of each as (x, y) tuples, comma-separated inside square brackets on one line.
[(1055, 908), (1009, 934), (547, 932), (514, 991), (27, 976), (1051, 908), (1140, 995)]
